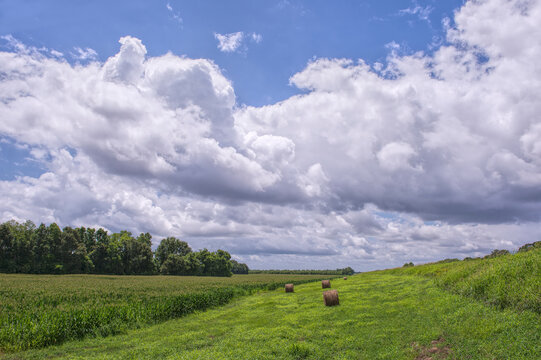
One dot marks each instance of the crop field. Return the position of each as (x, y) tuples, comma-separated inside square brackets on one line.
[(41, 310)]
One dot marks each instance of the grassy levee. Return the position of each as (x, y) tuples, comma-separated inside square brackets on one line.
[(508, 281), (43, 310)]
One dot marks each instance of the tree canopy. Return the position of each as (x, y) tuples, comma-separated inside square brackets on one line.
[(25, 248)]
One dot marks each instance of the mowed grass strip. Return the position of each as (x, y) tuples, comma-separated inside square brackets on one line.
[(380, 316), (42, 310)]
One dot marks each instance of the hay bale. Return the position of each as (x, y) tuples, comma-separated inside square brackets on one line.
[(330, 298), (345, 277), (325, 284), (289, 287)]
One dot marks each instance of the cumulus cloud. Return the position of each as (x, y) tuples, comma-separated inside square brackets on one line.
[(444, 137), (429, 156)]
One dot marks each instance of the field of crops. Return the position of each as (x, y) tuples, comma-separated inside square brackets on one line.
[(41, 310)]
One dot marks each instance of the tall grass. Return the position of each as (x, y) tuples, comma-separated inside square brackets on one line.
[(41, 310), (507, 281)]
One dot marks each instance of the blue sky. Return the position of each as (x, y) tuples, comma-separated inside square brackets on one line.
[(293, 32), (295, 134)]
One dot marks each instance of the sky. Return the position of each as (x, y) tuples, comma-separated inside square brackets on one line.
[(293, 134)]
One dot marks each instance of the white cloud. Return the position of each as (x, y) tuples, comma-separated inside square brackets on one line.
[(396, 156), (229, 42), (257, 37), (175, 14), (313, 182), (127, 66), (442, 138), (441, 159), (167, 117), (236, 42), (15, 44), (84, 54), (56, 53), (422, 13)]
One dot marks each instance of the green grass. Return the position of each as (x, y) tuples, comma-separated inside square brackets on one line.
[(508, 281), (380, 316), (479, 309), (41, 310)]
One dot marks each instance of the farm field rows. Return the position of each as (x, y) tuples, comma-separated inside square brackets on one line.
[(380, 316), (41, 310)]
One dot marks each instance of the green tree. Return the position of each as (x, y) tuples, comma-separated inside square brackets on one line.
[(239, 268), (169, 246), (100, 253), (215, 263), (107, 254), (175, 265), (7, 240), (88, 237), (116, 258), (43, 257), (74, 259), (194, 266), (22, 245), (346, 271), (54, 235), (137, 254), (222, 264)]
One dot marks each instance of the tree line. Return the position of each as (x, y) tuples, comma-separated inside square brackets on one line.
[(27, 248), (345, 271), (493, 254)]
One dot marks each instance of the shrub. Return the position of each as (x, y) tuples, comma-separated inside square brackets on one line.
[(496, 253), (532, 246)]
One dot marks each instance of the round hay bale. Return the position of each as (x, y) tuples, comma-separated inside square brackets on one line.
[(330, 298), (325, 284), (289, 287), (345, 277)]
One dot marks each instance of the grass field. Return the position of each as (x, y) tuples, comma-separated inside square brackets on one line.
[(480, 309), (41, 310), (380, 316)]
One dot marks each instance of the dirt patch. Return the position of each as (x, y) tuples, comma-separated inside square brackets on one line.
[(435, 351)]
